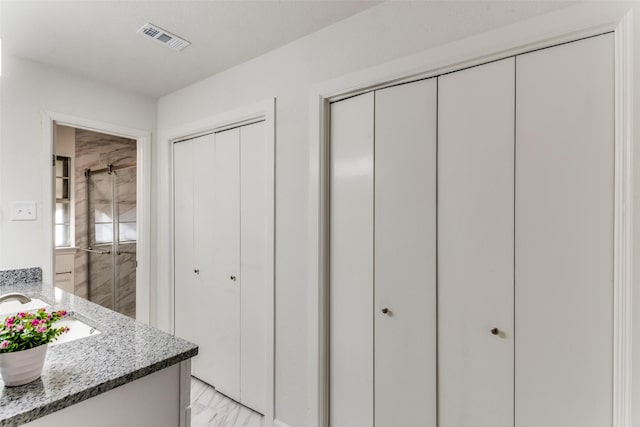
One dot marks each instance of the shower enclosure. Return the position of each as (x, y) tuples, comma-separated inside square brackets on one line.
[(111, 237)]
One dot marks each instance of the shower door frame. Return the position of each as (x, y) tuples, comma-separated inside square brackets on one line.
[(112, 171), (143, 203)]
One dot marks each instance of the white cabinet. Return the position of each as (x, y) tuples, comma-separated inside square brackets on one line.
[(221, 247), (155, 400), (490, 299)]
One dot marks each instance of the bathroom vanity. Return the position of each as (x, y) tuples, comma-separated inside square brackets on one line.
[(128, 374)]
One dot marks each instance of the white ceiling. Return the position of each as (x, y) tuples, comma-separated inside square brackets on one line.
[(98, 39)]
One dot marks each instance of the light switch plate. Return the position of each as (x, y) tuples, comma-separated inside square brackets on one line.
[(23, 211)]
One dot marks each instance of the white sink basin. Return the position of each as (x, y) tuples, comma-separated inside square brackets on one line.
[(77, 330), (9, 307)]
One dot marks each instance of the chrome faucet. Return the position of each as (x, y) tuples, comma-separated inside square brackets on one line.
[(15, 296)]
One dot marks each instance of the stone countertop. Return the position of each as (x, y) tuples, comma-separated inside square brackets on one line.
[(124, 351)]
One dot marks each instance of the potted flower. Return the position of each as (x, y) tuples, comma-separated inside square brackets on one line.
[(23, 344)]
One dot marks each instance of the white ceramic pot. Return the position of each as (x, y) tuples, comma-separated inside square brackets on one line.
[(22, 367)]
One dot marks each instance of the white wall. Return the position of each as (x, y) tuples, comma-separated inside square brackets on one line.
[(385, 32), (26, 89)]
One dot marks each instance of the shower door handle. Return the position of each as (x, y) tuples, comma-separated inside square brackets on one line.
[(93, 251)]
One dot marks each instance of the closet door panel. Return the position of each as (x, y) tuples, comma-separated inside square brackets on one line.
[(217, 236), (204, 157), (564, 235), (405, 255), (253, 278), (475, 245), (186, 287), (351, 263), (192, 290)]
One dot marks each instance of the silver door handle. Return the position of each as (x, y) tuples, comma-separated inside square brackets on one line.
[(93, 251)]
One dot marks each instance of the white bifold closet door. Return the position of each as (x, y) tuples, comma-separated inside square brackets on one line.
[(382, 255), (221, 237), (254, 259), (405, 255), (475, 246), (217, 238), (207, 230), (525, 246), (564, 235), (351, 263), (193, 282)]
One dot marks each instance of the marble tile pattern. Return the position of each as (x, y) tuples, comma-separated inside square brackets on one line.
[(96, 151), (21, 275), (212, 409), (126, 350), (126, 258)]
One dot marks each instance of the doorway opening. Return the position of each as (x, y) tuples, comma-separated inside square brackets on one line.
[(95, 216)]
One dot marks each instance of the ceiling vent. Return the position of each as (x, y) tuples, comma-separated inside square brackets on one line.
[(164, 37)]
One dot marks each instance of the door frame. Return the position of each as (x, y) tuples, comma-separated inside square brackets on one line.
[(260, 111), (143, 198), (565, 25)]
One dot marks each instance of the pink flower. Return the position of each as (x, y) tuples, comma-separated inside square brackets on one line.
[(21, 315), (9, 321), (48, 317), (62, 313), (20, 328), (42, 329), (4, 344), (35, 322)]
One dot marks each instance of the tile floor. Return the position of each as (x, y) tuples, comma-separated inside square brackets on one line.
[(212, 409)]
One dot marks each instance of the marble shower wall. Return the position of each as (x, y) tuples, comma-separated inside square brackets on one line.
[(126, 259), (95, 151)]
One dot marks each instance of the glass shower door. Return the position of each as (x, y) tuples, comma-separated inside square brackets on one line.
[(112, 236), (126, 239), (100, 278)]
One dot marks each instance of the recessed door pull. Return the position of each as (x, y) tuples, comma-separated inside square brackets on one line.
[(385, 310), (495, 331), (233, 278), (196, 271)]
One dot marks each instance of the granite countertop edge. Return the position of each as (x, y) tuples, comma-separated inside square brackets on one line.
[(124, 351)]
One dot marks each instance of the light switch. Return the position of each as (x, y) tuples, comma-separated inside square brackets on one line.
[(23, 211)]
